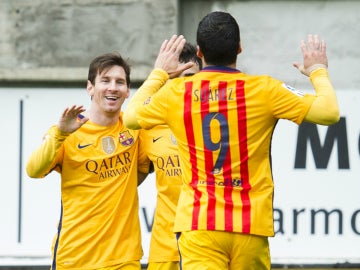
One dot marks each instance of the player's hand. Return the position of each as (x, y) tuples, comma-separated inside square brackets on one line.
[(168, 57), (314, 55), (72, 119)]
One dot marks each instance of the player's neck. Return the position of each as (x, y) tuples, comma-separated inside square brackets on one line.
[(229, 66), (104, 118)]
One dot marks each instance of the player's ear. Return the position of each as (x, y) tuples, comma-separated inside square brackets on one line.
[(128, 92), (90, 88), (199, 52), (240, 48)]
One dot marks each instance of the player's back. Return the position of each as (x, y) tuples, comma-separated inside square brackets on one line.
[(228, 118)]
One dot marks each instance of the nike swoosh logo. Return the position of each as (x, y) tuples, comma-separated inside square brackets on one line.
[(155, 139), (84, 145)]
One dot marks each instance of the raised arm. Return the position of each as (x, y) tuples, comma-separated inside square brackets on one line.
[(325, 109), (166, 66), (43, 160)]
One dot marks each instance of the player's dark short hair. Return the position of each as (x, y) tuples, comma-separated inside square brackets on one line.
[(189, 54), (218, 36), (106, 61)]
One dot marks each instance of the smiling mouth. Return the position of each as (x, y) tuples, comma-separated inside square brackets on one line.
[(111, 98)]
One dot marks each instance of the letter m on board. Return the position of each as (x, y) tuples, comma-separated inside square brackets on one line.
[(309, 132)]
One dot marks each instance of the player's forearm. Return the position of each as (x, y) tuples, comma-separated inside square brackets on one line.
[(153, 83), (325, 109), (41, 161)]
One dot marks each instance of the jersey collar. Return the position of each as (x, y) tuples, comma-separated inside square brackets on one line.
[(220, 69)]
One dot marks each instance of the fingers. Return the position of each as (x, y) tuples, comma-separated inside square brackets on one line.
[(73, 111), (323, 46), (175, 44), (181, 68), (316, 42), (314, 55), (313, 44), (71, 119), (168, 57), (303, 46), (163, 45), (318, 46), (179, 44)]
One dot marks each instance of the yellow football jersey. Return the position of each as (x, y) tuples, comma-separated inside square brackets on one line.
[(223, 121), (161, 148), (99, 224)]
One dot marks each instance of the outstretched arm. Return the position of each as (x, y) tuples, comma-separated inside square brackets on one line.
[(324, 110)]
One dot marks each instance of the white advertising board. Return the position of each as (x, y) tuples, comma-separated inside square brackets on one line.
[(316, 173)]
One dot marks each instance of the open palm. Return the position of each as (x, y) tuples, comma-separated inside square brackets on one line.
[(70, 119)]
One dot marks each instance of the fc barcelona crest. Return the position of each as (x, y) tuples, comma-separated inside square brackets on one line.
[(108, 144), (125, 138)]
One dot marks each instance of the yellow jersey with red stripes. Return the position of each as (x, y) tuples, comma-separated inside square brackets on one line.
[(161, 148), (99, 224), (223, 121)]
